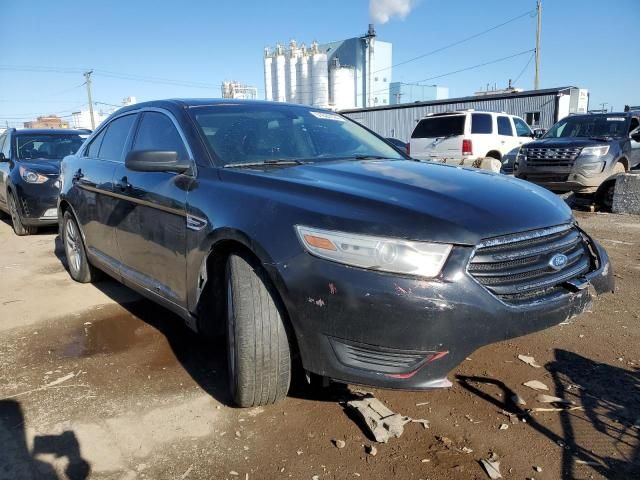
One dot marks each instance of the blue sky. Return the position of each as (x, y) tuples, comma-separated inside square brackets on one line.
[(586, 43)]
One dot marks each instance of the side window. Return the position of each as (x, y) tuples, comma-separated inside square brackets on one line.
[(504, 126), (481, 123), (632, 125), (6, 148), (522, 129), (157, 132), (114, 139), (94, 147), (2, 140)]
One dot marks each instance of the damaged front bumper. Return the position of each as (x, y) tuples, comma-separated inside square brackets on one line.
[(364, 327)]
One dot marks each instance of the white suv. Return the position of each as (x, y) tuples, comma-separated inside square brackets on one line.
[(466, 137)]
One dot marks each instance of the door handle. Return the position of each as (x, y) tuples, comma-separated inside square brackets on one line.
[(124, 184), (77, 176)]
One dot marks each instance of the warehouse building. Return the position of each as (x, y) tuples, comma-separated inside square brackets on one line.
[(539, 108)]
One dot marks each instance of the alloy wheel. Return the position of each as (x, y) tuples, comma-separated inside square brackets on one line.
[(72, 246)]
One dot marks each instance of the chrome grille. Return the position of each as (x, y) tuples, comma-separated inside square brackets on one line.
[(517, 269), (551, 157)]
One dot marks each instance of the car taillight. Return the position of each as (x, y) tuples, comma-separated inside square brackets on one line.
[(409, 149), (467, 147)]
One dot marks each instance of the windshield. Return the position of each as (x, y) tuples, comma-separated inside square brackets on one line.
[(447, 126), (589, 126), (243, 134), (45, 146)]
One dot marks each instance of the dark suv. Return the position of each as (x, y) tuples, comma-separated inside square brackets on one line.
[(300, 234), (29, 170), (583, 154)]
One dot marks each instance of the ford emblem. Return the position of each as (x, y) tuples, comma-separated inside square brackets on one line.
[(558, 261)]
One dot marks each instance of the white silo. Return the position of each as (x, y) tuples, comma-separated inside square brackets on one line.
[(290, 71), (268, 75), (279, 78), (342, 92), (319, 78), (303, 92)]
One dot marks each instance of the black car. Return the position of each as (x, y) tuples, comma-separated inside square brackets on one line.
[(29, 174), (299, 234), (583, 154)]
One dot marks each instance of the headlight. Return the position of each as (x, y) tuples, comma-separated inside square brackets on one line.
[(595, 151), (376, 253), (32, 177)]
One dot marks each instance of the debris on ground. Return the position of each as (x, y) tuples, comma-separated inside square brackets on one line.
[(382, 422), (492, 467), (446, 441), (529, 361), (339, 443), (537, 469), (517, 399), (504, 426), (542, 398), (371, 450), (555, 409), (466, 450), (513, 418), (536, 385)]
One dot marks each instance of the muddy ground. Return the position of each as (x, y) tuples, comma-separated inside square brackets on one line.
[(97, 383)]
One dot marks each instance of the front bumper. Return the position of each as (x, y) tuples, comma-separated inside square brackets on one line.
[(364, 327), (38, 204), (574, 179)]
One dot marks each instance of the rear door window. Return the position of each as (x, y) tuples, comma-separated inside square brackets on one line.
[(481, 123), (94, 147), (522, 129), (115, 138), (504, 126), (157, 132), (446, 126)]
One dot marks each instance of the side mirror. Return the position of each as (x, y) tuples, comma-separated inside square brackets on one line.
[(2, 157), (634, 136), (156, 161), (538, 132)]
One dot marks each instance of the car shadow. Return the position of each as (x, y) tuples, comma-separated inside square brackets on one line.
[(18, 462), (48, 230), (204, 358), (610, 397)]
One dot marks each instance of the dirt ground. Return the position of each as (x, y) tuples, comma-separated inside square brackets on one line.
[(97, 383)]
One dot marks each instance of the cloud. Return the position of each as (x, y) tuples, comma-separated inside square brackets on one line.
[(381, 11)]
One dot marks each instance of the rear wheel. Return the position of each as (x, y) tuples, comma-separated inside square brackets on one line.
[(18, 226), (259, 356), (79, 267)]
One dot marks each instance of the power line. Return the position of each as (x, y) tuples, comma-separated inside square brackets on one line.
[(454, 44), (524, 68)]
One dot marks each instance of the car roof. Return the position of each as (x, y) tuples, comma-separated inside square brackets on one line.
[(610, 114), (51, 131), (465, 112), (200, 102)]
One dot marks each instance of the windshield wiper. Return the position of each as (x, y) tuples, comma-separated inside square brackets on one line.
[(266, 163), (368, 157)]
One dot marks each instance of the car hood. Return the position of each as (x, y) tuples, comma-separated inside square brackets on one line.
[(44, 166), (406, 199), (565, 142)]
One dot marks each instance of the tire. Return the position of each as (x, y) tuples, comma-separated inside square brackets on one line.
[(607, 194), (79, 267), (18, 227), (259, 357)]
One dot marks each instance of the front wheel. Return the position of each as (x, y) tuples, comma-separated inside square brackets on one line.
[(79, 267), (607, 195), (259, 356), (18, 226)]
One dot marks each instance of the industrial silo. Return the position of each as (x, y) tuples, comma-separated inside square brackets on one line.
[(268, 75), (303, 91), (290, 72), (279, 79), (319, 78), (342, 92)]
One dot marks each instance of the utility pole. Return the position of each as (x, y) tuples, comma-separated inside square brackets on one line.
[(87, 76), (368, 41), (536, 83)]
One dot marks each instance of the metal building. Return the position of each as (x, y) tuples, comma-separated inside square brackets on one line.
[(235, 89), (539, 108), (306, 76)]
